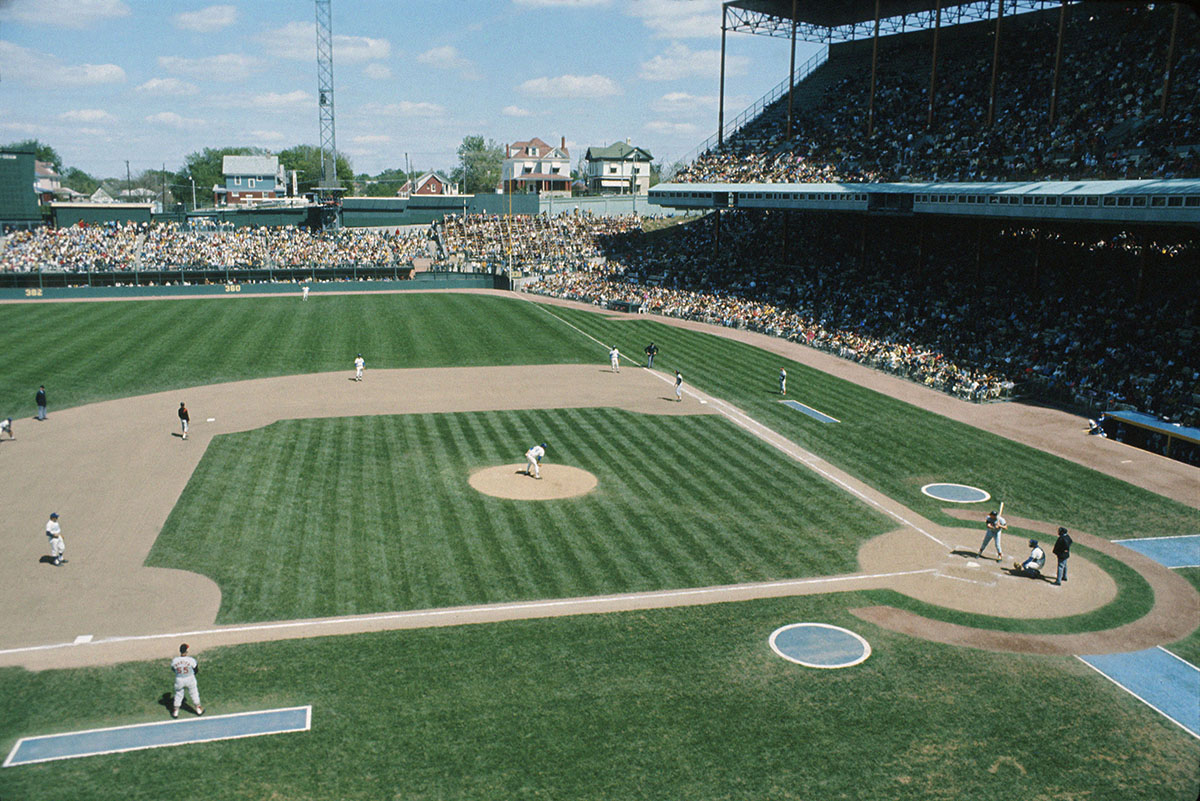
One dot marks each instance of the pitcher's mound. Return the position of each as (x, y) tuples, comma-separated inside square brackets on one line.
[(510, 481)]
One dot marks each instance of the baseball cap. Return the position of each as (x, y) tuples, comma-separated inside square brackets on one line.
[(544, 445), (1033, 543), (53, 515)]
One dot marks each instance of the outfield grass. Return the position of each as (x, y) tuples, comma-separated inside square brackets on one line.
[(311, 518), (894, 446), (85, 352), (673, 703)]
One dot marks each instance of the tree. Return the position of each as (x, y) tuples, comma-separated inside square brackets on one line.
[(80, 181), (655, 173), (306, 159), (479, 165), (43, 152)]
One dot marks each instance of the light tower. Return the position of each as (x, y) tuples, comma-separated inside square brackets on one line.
[(328, 187)]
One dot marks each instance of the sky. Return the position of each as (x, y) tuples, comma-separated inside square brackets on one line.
[(150, 81)]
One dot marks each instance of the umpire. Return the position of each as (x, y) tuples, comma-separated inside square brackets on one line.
[(1062, 551)]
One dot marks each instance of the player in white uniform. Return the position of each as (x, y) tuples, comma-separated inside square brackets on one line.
[(6, 425), (678, 386), (184, 667), (614, 357), (782, 381), (304, 292), (533, 460), (359, 364), (54, 535)]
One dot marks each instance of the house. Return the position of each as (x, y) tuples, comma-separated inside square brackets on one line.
[(249, 179), (536, 167), (46, 182), (431, 183), (618, 169)]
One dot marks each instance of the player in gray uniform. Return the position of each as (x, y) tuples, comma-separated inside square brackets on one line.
[(995, 524), (184, 667), (782, 381)]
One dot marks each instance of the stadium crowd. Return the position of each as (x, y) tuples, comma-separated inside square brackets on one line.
[(567, 241), (170, 246), (1086, 342), (1106, 127)]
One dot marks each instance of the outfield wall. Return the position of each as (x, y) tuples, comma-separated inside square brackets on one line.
[(430, 280)]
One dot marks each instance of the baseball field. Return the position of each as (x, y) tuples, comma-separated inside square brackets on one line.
[(463, 631)]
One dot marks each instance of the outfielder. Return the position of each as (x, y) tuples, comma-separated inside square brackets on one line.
[(304, 292), (782, 381), (995, 524), (533, 460), (359, 364), (614, 357), (54, 535), (185, 668)]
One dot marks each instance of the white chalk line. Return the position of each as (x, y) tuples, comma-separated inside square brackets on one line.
[(500, 610), (748, 423)]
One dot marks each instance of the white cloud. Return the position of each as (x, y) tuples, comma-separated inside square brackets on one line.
[(63, 13), (87, 115), (272, 101), (168, 86), (90, 131), (21, 127), (298, 40), (684, 103), (404, 108), (377, 71), (448, 58), (267, 137), (227, 67), (561, 3), (671, 128), (679, 19), (25, 66), (371, 139), (516, 111), (206, 20), (173, 120), (571, 86), (680, 61)]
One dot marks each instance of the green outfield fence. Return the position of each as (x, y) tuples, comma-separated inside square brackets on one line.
[(114, 284)]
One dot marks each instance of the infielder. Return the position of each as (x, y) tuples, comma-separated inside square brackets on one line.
[(185, 668), (678, 386), (184, 418), (782, 381), (6, 426), (614, 357), (995, 524), (533, 460), (54, 535), (359, 364), (651, 352)]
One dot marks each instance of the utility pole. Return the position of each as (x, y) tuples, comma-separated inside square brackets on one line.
[(128, 180)]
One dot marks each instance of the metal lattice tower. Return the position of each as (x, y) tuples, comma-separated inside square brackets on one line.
[(329, 179)]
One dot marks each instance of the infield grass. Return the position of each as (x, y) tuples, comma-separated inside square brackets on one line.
[(672, 703), (313, 518)]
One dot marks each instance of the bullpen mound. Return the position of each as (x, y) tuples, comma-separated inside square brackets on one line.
[(510, 481)]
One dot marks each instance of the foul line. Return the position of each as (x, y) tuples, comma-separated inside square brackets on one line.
[(1162, 712), (594, 600), (748, 423)]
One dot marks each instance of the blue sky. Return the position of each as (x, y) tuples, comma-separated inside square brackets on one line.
[(149, 81)]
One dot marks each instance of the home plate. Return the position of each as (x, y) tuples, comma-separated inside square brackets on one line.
[(703, 401), (972, 563)]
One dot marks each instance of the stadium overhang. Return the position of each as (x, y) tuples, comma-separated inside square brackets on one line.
[(828, 21)]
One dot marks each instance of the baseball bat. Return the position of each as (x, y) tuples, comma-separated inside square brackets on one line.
[(1001, 512)]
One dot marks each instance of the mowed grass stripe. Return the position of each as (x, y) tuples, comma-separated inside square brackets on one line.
[(675, 520)]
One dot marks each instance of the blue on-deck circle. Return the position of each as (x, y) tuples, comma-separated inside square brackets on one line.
[(955, 493), (819, 645)]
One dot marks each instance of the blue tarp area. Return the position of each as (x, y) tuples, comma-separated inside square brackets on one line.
[(1159, 679)]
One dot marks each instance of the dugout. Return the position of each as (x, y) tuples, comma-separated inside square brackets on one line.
[(1149, 433)]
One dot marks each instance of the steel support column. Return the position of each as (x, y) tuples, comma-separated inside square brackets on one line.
[(721, 98), (874, 61), (991, 115), (1062, 25), (791, 75), (937, 29)]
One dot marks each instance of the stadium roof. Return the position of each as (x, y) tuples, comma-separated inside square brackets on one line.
[(835, 13)]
